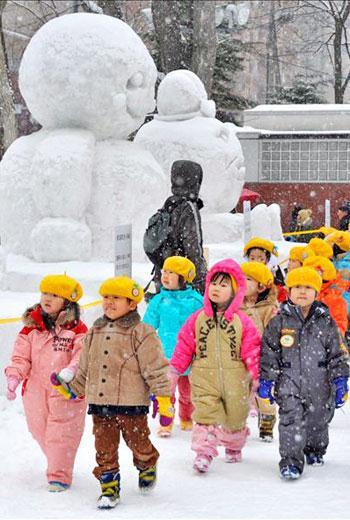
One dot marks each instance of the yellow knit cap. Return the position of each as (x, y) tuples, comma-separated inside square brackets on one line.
[(300, 253), (259, 272), (181, 266), (327, 230), (320, 247), (63, 286), (341, 238), (306, 276), (260, 243), (122, 286), (320, 263)]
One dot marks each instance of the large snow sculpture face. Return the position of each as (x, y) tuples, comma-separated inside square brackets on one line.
[(88, 71)]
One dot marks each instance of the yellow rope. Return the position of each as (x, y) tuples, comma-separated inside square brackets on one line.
[(303, 232), (14, 320)]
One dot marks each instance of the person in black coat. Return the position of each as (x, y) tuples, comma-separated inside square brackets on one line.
[(303, 360), (344, 216), (186, 237)]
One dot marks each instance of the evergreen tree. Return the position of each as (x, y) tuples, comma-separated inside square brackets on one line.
[(229, 60), (303, 91)]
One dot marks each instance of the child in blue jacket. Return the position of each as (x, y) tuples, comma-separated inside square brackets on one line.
[(167, 312)]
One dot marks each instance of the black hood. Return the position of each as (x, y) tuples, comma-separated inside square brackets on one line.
[(345, 207), (186, 179)]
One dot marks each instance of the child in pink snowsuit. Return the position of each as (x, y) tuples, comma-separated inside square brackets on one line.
[(51, 340), (222, 345)]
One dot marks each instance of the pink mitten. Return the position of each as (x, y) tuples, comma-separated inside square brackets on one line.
[(12, 383)]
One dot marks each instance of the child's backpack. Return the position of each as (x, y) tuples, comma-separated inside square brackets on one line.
[(158, 237)]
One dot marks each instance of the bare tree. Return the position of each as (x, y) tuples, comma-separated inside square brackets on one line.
[(7, 105), (186, 36), (273, 72), (166, 19), (204, 41), (334, 17)]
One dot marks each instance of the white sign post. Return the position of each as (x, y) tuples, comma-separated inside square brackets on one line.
[(247, 222), (327, 213), (122, 255)]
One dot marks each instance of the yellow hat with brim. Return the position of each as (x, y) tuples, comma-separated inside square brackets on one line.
[(320, 247), (63, 286), (123, 287), (181, 266), (300, 253), (341, 239), (261, 243), (259, 272), (322, 265), (305, 276), (327, 230)]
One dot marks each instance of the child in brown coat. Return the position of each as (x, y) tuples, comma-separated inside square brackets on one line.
[(121, 366), (260, 304)]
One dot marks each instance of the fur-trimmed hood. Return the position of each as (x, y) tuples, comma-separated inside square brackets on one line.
[(33, 319)]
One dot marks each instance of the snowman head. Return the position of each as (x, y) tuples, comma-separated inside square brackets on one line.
[(88, 71), (182, 95)]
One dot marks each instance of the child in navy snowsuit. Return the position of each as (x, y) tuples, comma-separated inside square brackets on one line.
[(303, 361), (167, 312)]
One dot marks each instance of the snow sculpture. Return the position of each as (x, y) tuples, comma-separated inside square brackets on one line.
[(89, 81), (185, 128), (266, 222)]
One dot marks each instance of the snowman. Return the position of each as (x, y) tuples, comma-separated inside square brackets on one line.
[(89, 81), (185, 128)]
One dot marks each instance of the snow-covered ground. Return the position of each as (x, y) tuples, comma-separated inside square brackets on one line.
[(251, 489)]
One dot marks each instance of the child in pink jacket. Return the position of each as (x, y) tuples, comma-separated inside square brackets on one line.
[(222, 346), (51, 340)]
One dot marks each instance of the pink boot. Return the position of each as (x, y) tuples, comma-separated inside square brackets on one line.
[(232, 456), (202, 463)]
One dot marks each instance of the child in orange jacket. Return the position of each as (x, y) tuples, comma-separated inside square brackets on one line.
[(331, 293), (51, 339)]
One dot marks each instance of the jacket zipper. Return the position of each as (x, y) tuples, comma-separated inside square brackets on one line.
[(219, 357)]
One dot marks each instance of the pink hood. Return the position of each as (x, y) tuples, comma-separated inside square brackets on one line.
[(233, 268)]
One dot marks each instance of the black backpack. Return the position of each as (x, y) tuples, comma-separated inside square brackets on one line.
[(157, 237)]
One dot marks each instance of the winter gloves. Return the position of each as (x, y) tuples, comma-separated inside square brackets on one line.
[(341, 390), (61, 386), (66, 374), (340, 383), (265, 390), (164, 406), (12, 383)]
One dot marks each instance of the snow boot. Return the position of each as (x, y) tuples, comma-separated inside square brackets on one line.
[(314, 460), (232, 456), (266, 424), (110, 486), (147, 479), (290, 472), (57, 487), (165, 431), (201, 463), (186, 425)]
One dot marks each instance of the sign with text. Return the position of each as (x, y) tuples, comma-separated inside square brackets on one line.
[(327, 213), (247, 222), (122, 256)]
